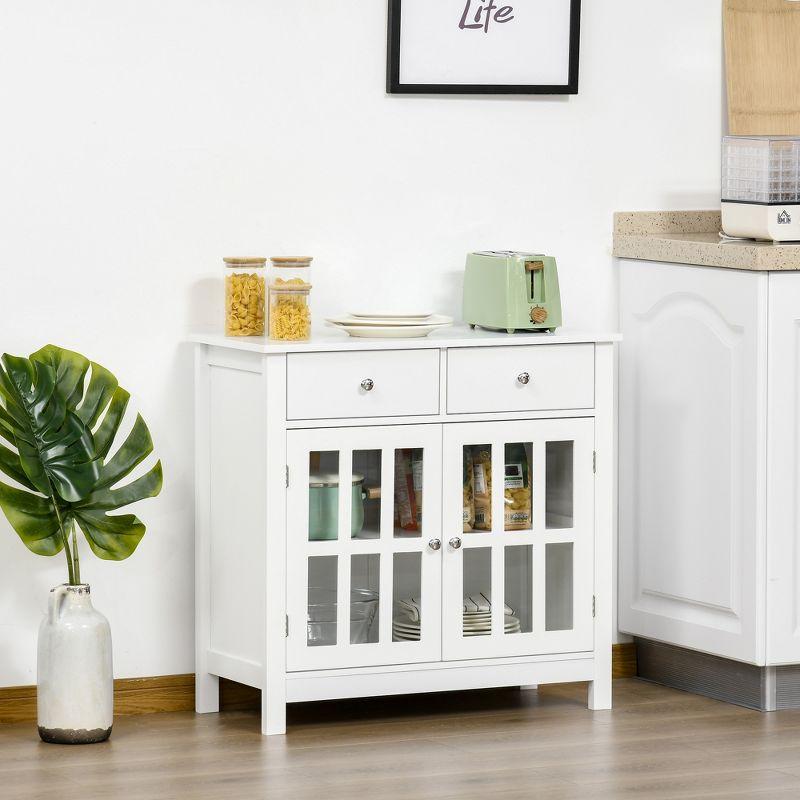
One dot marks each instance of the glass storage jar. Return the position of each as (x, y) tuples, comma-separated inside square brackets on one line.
[(245, 290), (289, 315), (289, 290), (291, 268)]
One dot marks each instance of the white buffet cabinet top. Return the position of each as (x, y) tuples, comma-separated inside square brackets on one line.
[(457, 336)]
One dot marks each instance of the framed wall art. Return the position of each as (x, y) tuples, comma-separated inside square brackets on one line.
[(483, 46)]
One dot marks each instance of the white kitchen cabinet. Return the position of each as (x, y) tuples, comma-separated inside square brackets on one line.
[(709, 448), (311, 592)]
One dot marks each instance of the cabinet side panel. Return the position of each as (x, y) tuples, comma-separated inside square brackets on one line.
[(237, 511), (783, 522), (691, 521)]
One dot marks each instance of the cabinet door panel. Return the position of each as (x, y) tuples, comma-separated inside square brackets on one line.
[(518, 538), (364, 582), (692, 457), (783, 544)]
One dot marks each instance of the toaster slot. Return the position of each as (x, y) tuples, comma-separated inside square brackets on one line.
[(534, 277)]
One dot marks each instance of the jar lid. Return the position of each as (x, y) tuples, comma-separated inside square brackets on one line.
[(291, 261), (245, 261), (288, 286), (324, 480)]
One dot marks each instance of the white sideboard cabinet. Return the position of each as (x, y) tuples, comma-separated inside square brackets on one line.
[(710, 464), (425, 574)]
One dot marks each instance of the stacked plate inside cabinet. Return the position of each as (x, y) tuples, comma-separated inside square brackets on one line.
[(477, 620), (410, 325)]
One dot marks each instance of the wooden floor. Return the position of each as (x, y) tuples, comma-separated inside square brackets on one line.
[(504, 744)]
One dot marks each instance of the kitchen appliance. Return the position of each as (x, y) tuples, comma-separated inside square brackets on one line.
[(761, 187), (323, 505), (512, 291)]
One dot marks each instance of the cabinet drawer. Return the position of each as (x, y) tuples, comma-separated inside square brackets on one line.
[(487, 379), (329, 385)]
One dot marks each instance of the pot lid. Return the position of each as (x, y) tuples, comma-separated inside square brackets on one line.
[(320, 480)]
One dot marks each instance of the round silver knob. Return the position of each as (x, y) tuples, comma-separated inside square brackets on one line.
[(455, 543), (435, 544), (524, 378), (368, 384)]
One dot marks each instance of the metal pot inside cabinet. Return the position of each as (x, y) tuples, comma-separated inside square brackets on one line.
[(323, 505)]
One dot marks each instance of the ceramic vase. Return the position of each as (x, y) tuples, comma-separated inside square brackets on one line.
[(75, 677)]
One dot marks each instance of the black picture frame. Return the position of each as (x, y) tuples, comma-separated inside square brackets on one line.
[(394, 86)]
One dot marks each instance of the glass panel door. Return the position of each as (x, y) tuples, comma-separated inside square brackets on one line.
[(518, 531), (364, 546)]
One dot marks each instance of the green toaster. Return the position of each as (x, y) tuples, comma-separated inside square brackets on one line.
[(511, 291)]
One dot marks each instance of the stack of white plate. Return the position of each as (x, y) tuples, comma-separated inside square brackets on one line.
[(480, 624), (406, 628), (390, 326)]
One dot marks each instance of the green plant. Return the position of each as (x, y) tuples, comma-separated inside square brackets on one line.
[(61, 413)]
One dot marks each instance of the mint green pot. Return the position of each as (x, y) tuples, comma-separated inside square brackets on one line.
[(323, 506)]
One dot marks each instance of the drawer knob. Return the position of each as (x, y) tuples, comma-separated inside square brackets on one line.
[(435, 544), (524, 378), (368, 384), (455, 543)]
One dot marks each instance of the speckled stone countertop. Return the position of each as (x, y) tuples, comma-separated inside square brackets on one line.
[(692, 237)]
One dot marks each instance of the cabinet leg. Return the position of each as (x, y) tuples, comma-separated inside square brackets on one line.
[(600, 694), (206, 693), (273, 713)]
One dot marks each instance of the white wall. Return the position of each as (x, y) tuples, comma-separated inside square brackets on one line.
[(142, 141)]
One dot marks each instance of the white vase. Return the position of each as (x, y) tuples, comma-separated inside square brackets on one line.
[(75, 677)]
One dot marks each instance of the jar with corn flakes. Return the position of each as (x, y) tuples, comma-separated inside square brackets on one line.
[(245, 293), (289, 294)]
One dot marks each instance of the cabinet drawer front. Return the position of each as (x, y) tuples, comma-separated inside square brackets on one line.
[(487, 379), (329, 385)]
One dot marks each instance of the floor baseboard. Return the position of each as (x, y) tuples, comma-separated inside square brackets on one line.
[(176, 692), (623, 660), (131, 696)]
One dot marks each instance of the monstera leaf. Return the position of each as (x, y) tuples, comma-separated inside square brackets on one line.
[(63, 412), (111, 537), (56, 449)]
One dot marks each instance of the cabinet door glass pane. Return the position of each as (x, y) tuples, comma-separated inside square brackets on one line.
[(517, 497), (322, 605), (408, 465), (323, 496), (407, 599), (365, 574), (519, 588), (366, 502), (477, 484), (558, 586), (559, 485), (477, 619)]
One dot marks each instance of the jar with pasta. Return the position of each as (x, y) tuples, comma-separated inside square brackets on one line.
[(289, 268), (289, 295), (289, 315), (245, 296)]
